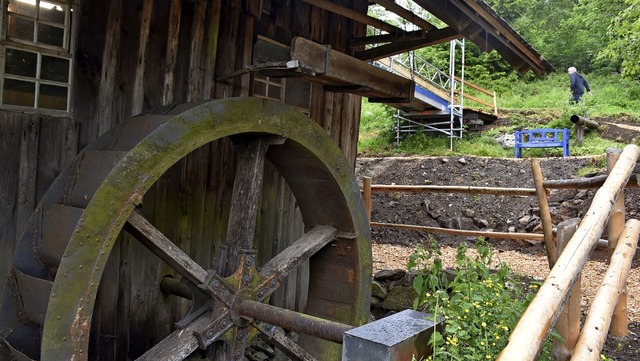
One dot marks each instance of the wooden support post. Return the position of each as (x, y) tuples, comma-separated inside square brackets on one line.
[(495, 105), (543, 311), (545, 214), (620, 323), (568, 325), (366, 195), (580, 133), (596, 324)]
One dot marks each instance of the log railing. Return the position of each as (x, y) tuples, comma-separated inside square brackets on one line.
[(567, 254)]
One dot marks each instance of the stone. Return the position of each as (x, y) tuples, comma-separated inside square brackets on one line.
[(400, 298), (376, 302), (524, 220), (378, 290), (394, 274)]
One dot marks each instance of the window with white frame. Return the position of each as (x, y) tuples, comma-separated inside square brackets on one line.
[(35, 55), (292, 91)]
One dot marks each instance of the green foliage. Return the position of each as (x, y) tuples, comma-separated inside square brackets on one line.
[(595, 166), (566, 32), (624, 44), (480, 306)]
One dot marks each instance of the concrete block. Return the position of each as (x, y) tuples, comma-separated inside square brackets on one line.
[(394, 338)]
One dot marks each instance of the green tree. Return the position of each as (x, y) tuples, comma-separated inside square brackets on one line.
[(624, 42)]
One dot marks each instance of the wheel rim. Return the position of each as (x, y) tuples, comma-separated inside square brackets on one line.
[(307, 156)]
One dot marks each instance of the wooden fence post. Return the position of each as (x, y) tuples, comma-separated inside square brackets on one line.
[(619, 323), (568, 325), (594, 332), (529, 334), (366, 195), (545, 214)]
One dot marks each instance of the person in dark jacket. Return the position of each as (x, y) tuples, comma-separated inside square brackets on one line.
[(578, 85)]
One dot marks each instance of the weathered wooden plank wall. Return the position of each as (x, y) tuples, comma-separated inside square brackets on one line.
[(132, 56)]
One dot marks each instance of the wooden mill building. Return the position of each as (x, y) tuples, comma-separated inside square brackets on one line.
[(73, 76)]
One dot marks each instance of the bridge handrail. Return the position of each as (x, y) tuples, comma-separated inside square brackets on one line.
[(434, 76)]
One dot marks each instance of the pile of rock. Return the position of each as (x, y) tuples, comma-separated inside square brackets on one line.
[(392, 291)]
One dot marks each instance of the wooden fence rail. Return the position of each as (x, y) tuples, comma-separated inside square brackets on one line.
[(566, 263)]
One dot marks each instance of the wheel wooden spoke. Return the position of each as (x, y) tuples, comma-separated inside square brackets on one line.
[(179, 344), (244, 199), (284, 262), (284, 343), (161, 246)]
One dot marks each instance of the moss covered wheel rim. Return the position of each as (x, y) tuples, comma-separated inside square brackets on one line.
[(313, 167)]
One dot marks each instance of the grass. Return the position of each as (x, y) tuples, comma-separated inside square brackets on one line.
[(526, 104)]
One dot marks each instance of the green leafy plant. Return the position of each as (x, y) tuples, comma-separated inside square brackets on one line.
[(480, 305)]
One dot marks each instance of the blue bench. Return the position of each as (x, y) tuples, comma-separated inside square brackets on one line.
[(542, 138)]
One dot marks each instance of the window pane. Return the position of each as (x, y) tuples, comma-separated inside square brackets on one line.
[(56, 69), (18, 92), (20, 62), (259, 88), (53, 97), (52, 13), (274, 92), (50, 35), (23, 8), (20, 28)]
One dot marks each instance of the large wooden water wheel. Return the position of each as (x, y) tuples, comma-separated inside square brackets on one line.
[(49, 309)]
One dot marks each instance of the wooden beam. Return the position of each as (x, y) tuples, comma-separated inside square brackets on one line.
[(501, 27), (461, 232), (196, 73), (244, 200), (406, 14), (336, 69), (568, 325), (378, 188), (619, 324), (432, 38), (352, 14), (598, 318), (212, 33), (108, 78), (389, 38), (138, 86), (545, 213), (171, 55), (161, 246), (504, 34)]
